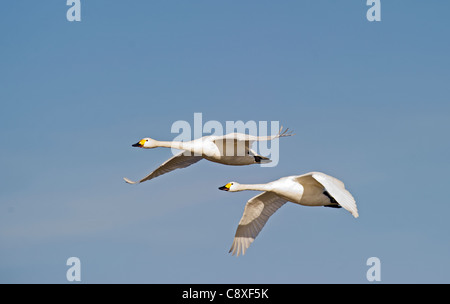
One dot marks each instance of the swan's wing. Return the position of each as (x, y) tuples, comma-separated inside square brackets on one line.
[(256, 213), (252, 138), (177, 162), (335, 188)]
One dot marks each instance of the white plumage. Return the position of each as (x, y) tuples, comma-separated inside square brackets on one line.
[(311, 189), (231, 149)]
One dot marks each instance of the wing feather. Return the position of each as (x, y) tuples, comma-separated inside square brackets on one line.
[(252, 138), (176, 162), (256, 213), (337, 190)]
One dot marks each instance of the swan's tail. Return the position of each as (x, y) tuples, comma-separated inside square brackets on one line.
[(262, 160)]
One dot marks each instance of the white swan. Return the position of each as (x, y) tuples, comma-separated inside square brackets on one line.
[(311, 189), (231, 149)]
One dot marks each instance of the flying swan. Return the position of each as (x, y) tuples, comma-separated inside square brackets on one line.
[(311, 189), (231, 149)]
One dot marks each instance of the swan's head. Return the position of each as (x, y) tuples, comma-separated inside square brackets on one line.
[(146, 143), (232, 186)]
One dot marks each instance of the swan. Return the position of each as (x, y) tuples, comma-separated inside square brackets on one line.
[(310, 189), (231, 149)]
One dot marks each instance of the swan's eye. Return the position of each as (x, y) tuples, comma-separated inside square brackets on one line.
[(146, 140)]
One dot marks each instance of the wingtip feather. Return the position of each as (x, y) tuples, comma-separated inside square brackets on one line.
[(129, 181)]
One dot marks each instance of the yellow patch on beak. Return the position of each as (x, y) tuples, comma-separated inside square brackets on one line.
[(140, 144), (226, 187)]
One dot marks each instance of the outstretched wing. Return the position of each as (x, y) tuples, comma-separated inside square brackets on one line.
[(334, 187), (337, 190), (252, 138), (177, 162), (256, 213)]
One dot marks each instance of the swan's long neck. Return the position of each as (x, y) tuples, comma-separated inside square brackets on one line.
[(254, 187), (171, 144)]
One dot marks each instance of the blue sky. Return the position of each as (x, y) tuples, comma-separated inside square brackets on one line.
[(368, 101)]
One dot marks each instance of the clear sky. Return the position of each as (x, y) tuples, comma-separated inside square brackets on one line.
[(368, 101)]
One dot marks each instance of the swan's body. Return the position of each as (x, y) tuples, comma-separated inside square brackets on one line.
[(232, 149), (311, 189)]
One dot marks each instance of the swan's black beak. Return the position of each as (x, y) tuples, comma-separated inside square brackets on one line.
[(226, 187), (140, 144)]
